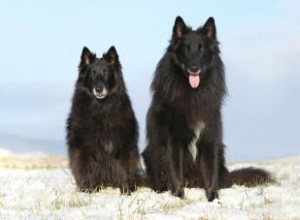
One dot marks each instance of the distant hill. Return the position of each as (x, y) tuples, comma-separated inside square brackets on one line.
[(24, 145)]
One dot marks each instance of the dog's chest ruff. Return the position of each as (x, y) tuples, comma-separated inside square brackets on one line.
[(199, 128)]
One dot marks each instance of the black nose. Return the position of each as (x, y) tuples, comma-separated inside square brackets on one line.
[(194, 69), (99, 88)]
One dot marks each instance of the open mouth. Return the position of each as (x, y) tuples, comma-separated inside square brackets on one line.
[(194, 78), (100, 95)]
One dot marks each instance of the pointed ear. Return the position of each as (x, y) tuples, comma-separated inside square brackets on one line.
[(86, 57), (209, 28), (179, 28), (112, 56)]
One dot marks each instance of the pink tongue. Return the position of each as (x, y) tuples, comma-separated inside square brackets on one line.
[(194, 81)]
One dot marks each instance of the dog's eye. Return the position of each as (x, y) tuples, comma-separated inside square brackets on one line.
[(200, 47), (105, 73), (188, 48)]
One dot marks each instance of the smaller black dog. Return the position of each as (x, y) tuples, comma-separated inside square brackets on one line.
[(102, 130)]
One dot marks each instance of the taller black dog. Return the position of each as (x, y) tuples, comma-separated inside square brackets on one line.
[(184, 123), (102, 130)]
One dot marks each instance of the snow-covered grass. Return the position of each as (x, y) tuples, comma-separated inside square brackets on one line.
[(31, 188)]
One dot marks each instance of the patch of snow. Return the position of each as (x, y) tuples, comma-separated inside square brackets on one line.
[(5, 152), (52, 194)]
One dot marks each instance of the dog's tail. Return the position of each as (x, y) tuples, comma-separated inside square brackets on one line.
[(249, 176)]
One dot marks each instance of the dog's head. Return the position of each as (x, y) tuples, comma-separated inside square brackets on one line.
[(100, 75), (194, 49)]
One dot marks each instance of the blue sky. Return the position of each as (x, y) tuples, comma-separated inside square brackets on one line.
[(41, 42)]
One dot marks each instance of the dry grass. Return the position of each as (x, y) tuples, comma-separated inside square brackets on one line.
[(31, 162)]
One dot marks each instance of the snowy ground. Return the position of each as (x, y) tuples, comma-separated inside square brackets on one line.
[(43, 188)]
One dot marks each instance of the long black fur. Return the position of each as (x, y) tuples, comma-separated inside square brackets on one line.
[(102, 131), (188, 91)]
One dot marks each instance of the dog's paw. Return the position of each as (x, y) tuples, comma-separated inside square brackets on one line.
[(125, 191), (211, 194), (179, 192)]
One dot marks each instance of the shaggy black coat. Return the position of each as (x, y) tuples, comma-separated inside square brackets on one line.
[(184, 121), (102, 131)]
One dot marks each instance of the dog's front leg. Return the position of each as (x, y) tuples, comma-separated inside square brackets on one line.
[(176, 170), (209, 162)]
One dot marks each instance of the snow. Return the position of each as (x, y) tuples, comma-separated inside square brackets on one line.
[(50, 193), (5, 152)]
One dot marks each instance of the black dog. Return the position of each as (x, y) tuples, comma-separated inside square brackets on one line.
[(184, 122), (102, 131)]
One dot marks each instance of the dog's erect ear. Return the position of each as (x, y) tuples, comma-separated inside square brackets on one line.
[(179, 28), (209, 28), (112, 56), (86, 57)]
